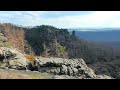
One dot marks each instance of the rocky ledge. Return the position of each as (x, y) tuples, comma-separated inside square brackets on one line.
[(13, 59), (59, 67), (67, 68)]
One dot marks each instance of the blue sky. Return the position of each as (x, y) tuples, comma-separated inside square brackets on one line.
[(63, 19)]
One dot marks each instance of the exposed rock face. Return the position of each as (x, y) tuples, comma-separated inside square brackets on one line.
[(6, 53), (15, 59), (63, 69), (2, 37), (67, 68)]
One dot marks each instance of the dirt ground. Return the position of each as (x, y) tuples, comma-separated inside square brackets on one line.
[(15, 74)]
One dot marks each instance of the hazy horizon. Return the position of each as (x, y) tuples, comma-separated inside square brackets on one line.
[(63, 19)]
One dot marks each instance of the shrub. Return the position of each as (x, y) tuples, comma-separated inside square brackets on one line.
[(61, 50), (31, 58)]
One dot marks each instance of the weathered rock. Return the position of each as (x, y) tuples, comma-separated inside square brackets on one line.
[(51, 70), (16, 59), (70, 71), (63, 70), (68, 67), (80, 71), (6, 53), (75, 71), (103, 77), (64, 77), (2, 37)]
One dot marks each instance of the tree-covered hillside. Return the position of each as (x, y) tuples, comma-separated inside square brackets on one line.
[(50, 41), (46, 39)]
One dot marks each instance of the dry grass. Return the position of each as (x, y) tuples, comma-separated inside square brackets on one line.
[(6, 44), (5, 74), (31, 58)]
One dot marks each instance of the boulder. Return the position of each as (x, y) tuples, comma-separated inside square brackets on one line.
[(70, 71), (2, 37), (63, 70), (6, 53), (69, 67), (16, 60), (75, 71)]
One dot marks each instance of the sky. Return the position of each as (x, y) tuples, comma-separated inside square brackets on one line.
[(63, 19)]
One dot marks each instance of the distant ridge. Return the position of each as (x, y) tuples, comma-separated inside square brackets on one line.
[(93, 29), (105, 34)]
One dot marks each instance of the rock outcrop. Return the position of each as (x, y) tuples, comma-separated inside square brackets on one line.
[(59, 67), (67, 68), (15, 59), (2, 37)]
